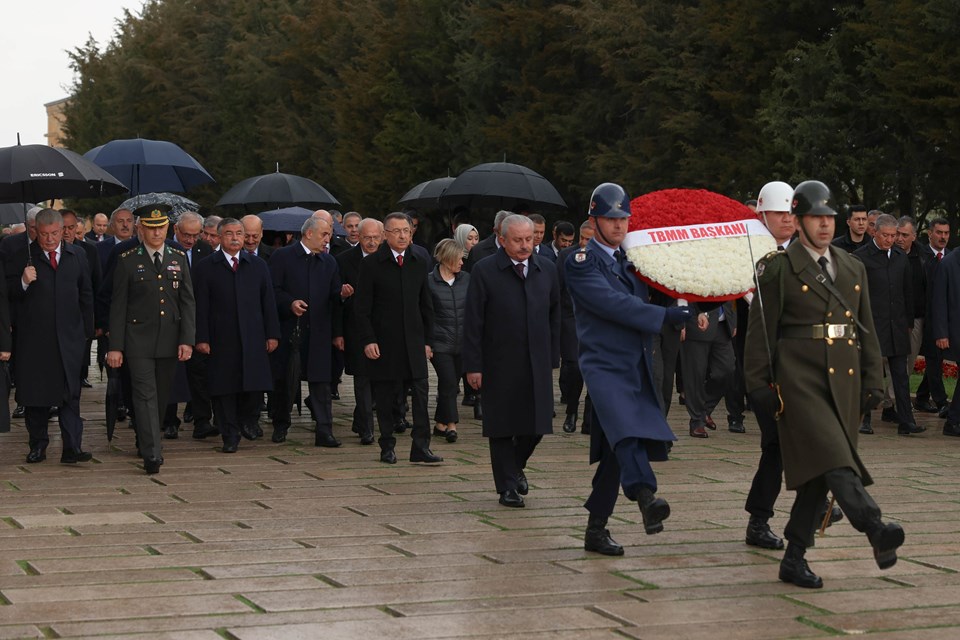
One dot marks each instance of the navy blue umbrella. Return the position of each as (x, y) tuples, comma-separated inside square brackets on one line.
[(287, 219), (149, 165)]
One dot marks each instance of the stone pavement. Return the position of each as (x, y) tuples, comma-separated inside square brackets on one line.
[(290, 541)]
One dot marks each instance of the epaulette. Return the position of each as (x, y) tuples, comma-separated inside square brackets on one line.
[(767, 266), (129, 251), (177, 251)]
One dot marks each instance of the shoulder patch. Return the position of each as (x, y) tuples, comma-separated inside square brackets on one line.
[(580, 256), (129, 252), (768, 266)]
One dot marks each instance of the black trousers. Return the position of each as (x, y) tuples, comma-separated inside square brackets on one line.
[(707, 368), (448, 367), (665, 363), (321, 404), (385, 394), (736, 391), (508, 457), (805, 516), (200, 404), (768, 479), (363, 410), (150, 380), (71, 426), (235, 409), (571, 384), (932, 384), (901, 388)]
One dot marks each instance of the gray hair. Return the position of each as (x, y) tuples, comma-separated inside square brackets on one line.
[(225, 222), (352, 214), (461, 232), (113, 215), (49, 216), (32, 213), (311, 223), (500, 217), (906, 220), (886, 220), (190, 216), (212, 221), (399, 215), (513, 220)]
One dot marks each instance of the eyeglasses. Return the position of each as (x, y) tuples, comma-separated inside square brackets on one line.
[(399, 232), (370, 238)]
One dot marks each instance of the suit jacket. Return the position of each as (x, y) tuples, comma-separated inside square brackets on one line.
[(945, 312), (934, 300), (548, 251), (104, 249), (484, 248), (54, 321), (349, 264), (92, 237), (393, 309), (264, 251), (298, 275), (512, 336), (891, 297), (200, 251), (236, 314), (716, 329), (151, 312)]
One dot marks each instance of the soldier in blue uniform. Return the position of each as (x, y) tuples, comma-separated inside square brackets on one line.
[(615, 326)]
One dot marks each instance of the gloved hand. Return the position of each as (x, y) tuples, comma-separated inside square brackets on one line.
[(870, 399), (677, 315), (765, 400)]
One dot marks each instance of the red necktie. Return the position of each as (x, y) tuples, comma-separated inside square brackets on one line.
[(400, 260), (236, 263), (519, 269), (939, 256), (53, 260)]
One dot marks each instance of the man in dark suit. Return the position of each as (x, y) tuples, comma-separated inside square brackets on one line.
[(891, 302), (371, 237), (571, 380), (857, 236), (307, 288), (199, 410), (489, 245), (562, 238), (511, 343), (122, 225), (49, 283), (945, 327), (237, 327), (708, 364), (98, 230), (931, 386), (252, 236), (394, 314), (71, 236), (13, 243), (152, 325)]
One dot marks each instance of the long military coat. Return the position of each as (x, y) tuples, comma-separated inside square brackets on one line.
[(53, 321), (820, 379), (615, 327), (236, 314), (512, 336)]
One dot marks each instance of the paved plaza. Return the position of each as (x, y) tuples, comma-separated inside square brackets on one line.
[(290, 541)]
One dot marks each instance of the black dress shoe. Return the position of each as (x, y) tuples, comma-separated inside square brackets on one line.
[(951, 429), (85, 383), (736, 426), (866, 428), (597, 538), (944, 410), (279, 434), (187, 416), (171, 432), (510, 498), (910, 429), (885, 540), (401, 426), (36, 455), (469, 399), (334, 394), (152, 465), (760, 535), (439, 434), (73, 456), (836, 515), (795, 570), (451, 435), (121, 413), (654, 511), (18, 411), (204, 430), (323, 439), (229, 448), (888, 415), (247, 432), (388, 456), (925, 406), (570, 424), (478, 409), (424, 455), (523, 487), (366, 438)]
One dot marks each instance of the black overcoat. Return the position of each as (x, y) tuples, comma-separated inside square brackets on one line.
[(512, 337), (236, 314), (569, 345), (54, 320), (314, 278), (349, 263), (945, 310), (891, 296), (393, 309)]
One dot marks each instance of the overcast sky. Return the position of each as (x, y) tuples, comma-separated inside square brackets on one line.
[(34, 66)]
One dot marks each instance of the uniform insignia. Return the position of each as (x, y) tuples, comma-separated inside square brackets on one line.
[(761, 267), (176, 284), (173, 267), (580, 256)]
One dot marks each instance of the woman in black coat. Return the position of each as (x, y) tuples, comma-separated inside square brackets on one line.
[(448, 288)]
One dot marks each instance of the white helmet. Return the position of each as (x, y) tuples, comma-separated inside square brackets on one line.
[(775, 196)]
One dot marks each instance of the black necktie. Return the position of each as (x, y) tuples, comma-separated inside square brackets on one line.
[(823, 267), (779, 247), (156, 261), (618, 256), (519, 269)]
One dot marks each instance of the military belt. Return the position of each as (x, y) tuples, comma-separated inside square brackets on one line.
[(819, 331)]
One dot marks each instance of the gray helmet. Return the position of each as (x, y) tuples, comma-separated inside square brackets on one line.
[(609, 201)]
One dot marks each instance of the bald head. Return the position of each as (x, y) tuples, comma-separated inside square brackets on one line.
[(252, 231), (323, 214)]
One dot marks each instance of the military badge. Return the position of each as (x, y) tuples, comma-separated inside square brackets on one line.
[(580, 256)]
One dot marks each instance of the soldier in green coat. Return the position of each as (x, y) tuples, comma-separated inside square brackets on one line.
[(814, 346), (152, 325)]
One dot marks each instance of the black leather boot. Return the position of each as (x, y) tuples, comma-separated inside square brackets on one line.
[(760, 535), (654, 510), (794, 568), (597, 538), (885, 540), (570, 424)]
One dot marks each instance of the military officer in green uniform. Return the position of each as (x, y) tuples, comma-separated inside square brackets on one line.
[(814, 346), (152, 325)]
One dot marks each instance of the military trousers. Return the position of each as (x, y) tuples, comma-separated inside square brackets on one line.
[(150, 382), (808, 506)]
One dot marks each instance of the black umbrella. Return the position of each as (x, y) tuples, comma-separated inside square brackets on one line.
[(278, 190), (287, 219), (293, 367), (113, 399), (36, 172), (12, 212), (426, 194), (501, 185), (149, 165)]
